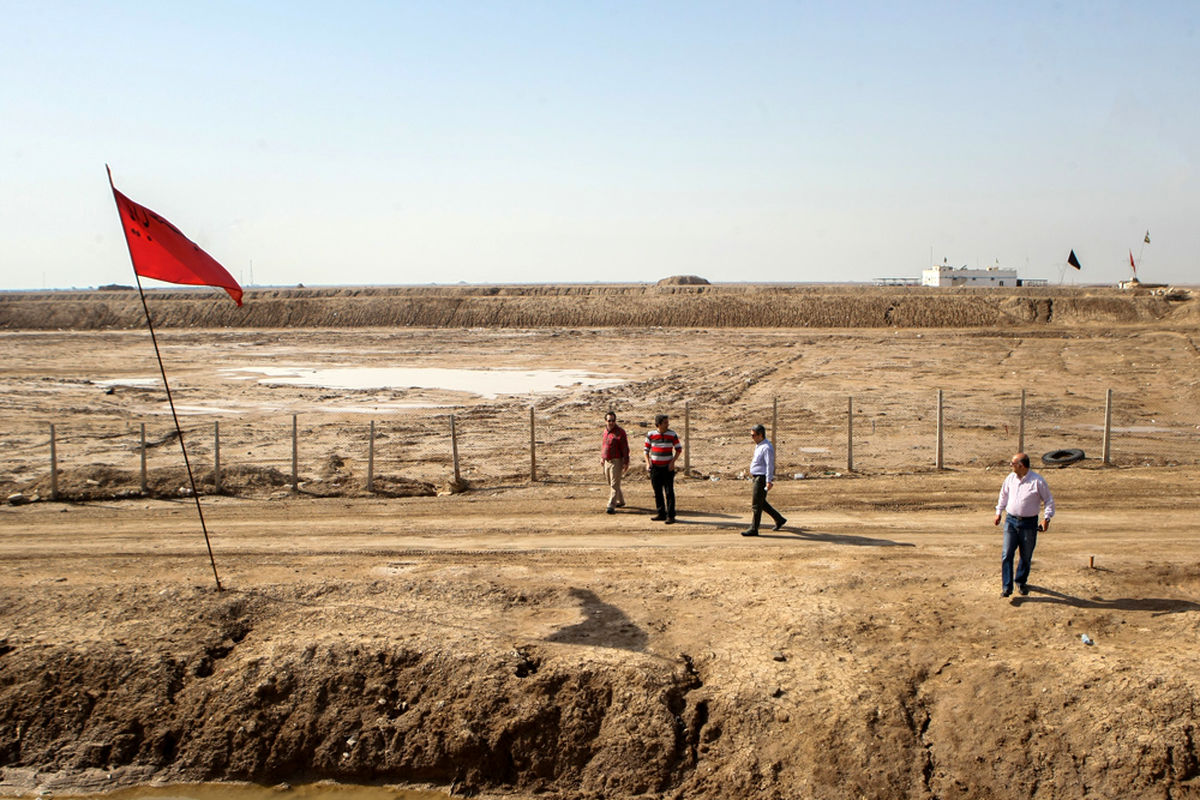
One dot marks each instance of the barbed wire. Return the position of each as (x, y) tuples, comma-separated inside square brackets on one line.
[(894, 429)]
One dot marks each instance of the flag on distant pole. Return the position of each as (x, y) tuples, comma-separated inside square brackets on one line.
[(1073, 261), (159, 250), (1147, 237), (1132, 265)]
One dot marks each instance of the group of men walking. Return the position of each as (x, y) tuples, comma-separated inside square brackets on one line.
[(661, 449), (1022, 495)]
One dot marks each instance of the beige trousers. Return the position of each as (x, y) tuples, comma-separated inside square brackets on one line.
[(613, 467)]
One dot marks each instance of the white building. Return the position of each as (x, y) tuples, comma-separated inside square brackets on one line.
[(945, 275)]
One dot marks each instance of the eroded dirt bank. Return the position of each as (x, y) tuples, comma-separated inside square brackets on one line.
[(718, 306), (358, 709), (516, 641)]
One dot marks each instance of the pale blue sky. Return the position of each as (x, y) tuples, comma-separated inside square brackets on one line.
[(418, 142)]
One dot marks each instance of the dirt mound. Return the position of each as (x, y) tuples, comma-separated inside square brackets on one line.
[(698, 306), (101, 482), (400, 486), (683, 280)]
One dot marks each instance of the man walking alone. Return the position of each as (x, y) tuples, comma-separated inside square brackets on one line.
[(762, 474), (1022, 495), (662, 449)]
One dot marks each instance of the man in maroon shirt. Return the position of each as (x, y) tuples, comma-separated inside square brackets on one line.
[(614, 458)]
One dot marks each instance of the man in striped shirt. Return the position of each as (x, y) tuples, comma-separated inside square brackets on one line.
[(662, 449)]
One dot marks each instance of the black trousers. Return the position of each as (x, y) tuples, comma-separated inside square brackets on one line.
[(758, 502), (663, 481)]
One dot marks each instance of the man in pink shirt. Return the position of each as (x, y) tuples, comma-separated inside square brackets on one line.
[(1022, 496)]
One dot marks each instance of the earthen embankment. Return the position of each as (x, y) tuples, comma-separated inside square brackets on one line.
[(595, 306)]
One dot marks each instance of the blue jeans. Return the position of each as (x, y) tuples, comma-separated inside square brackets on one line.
[(1020, 535)]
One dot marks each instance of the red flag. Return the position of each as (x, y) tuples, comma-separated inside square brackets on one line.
[(160, 250), (1132, 265)]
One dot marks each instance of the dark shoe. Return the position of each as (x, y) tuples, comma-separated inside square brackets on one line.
[(1023, 588), (750, 532), (779, 525), (658, 518), (670, 520), (610, 510), (1006, 593)]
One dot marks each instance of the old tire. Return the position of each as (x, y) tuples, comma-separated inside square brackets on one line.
[(1061, 458)]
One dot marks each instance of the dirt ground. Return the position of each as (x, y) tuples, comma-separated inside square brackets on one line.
[(512, 639)]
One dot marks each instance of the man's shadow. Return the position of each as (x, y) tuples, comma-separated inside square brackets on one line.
[(794, 533), (681, 517), (705, 515), (604, 625), (1156, 605)]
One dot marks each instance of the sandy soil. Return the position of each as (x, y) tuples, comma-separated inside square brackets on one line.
[(514, 639)]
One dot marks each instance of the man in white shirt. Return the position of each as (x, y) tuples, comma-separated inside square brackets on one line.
[(1022, 495), (762, 473)]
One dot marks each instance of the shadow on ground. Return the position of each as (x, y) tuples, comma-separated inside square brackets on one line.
[(604, 625), (831, 538), (1156, 605)]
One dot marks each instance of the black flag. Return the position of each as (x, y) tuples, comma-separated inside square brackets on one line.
[(1072, 260)]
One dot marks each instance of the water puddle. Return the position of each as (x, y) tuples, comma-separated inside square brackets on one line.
[(1143, 429), (430, 387), (200, 410), (488, 383)]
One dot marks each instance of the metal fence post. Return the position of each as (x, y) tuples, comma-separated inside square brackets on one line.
[(1021, 426), (454, 450), (295, 455), (371, 459), (937, 459), (532, 448), (775, 422), (1108, 427), (144, 482), (53, 465), (687, 438), (216, 457), (849, 434)]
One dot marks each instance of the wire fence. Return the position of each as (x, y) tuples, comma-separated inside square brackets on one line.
[(876, 430)]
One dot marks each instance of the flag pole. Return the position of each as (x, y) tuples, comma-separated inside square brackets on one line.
[(171, 402)]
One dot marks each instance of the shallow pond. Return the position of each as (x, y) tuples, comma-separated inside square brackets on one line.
[(489, 383)]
